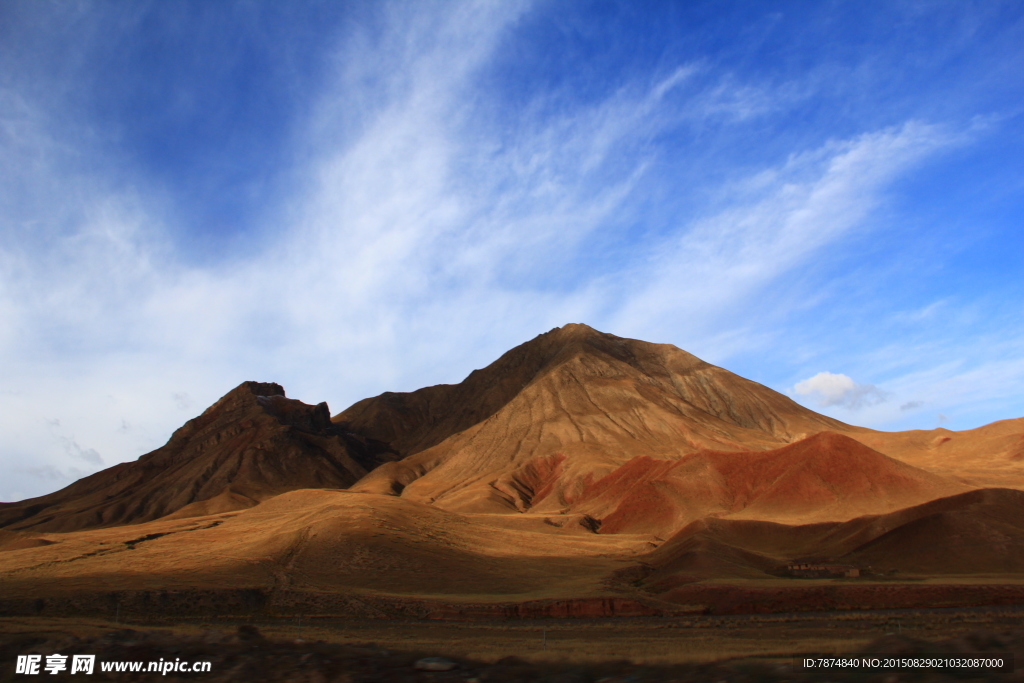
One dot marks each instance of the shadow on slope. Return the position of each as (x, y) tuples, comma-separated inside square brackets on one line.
[(979, 532)]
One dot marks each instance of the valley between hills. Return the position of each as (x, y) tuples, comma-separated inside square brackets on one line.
[(579, 475)]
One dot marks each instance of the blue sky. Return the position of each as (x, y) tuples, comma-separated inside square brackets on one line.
[(349, 198)]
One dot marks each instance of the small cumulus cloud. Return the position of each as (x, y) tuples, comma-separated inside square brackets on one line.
[(182, 401), (911, 405), (839, 390)]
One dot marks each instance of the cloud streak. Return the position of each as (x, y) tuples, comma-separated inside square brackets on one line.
[(780, 217)]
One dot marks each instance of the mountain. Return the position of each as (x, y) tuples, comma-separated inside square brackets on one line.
[(252, 444), (644, 437), (712, 406), (981, 532), (632, 436)]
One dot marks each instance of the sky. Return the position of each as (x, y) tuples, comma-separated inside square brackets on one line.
[(825, 197)]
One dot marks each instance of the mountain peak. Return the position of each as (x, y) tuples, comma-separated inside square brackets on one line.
[(261, 388), (574, 330), (414, 421), (572, 389)]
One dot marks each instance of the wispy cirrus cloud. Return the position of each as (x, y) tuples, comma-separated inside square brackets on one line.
[(776, 220)]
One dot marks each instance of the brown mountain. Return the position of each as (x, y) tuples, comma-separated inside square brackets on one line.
[(718, 407), (978, 532), (639, 437), (644, 437), (252, 444)]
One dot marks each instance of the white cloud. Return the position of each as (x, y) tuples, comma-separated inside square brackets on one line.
[(971, 378), (839, 390)]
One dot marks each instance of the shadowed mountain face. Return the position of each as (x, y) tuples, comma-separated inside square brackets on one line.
[(977, 532), (252, 444)]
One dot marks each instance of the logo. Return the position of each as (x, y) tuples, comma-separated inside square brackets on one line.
[(31, 664)]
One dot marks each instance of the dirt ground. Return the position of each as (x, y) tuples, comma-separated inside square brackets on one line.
[(705, 648)]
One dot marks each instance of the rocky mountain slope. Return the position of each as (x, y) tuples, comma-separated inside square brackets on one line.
[(596, 375)]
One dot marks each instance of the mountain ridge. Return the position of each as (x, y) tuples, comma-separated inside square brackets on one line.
[(251, 444)]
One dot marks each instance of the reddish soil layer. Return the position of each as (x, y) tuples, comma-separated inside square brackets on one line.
[(822, 478)]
